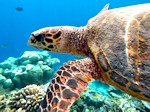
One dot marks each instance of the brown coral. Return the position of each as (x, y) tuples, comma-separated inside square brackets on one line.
[(27, 99), (2, 101)]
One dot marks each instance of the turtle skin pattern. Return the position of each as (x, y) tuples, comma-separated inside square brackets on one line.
[(70, 80), (117, 44)]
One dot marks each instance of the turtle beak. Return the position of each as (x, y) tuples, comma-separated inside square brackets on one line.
[(31, 40), (35, 41)]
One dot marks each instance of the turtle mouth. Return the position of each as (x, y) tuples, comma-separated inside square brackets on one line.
[(31, 41)]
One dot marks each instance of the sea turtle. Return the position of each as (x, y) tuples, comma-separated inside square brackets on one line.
[(117, 45)]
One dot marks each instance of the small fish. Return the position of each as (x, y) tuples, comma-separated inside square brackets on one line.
[(3, 45), (19, 8)]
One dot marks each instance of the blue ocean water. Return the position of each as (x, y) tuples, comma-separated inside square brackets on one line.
[(16, 25)]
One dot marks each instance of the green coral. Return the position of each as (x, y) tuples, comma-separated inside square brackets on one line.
[(32, 67)]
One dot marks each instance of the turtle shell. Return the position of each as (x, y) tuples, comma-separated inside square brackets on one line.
[(119, 40)]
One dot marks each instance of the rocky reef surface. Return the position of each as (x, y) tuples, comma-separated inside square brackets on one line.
[(32, 67)]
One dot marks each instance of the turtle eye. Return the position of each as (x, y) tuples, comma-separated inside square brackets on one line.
[(39, 38)]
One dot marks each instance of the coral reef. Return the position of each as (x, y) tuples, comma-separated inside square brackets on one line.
[(147, 106), (31, 68), (114, 100), (27, 99), (3, 101)]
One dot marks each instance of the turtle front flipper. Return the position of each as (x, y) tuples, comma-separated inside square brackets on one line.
[(65, 88)]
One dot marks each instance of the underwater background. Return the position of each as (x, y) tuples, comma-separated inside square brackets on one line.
[(18, 18)]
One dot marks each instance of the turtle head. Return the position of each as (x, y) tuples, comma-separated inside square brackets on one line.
[(63, 39), (49, 38)]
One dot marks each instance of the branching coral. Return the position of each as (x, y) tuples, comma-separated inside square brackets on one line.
[(2, 102), (27, 99)]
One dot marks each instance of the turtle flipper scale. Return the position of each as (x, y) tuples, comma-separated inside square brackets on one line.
[(65, 88)]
